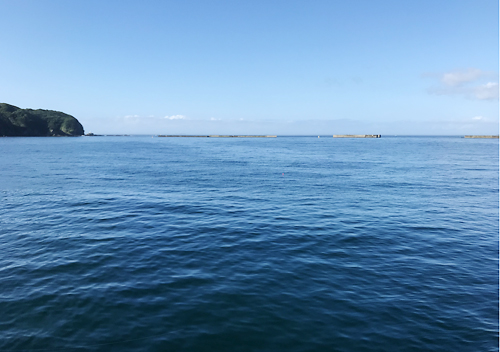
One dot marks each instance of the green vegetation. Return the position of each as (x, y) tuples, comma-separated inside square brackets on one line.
[(27, 122)]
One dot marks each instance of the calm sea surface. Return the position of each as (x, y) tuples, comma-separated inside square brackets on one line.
[(272, 244)]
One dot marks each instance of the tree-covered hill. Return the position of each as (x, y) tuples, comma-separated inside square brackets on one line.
[(28, 122)]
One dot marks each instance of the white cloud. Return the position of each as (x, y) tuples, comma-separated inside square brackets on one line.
[(471, 83), (477, 118), (456, 78), (175, 117), (486, 91), (214, 119)]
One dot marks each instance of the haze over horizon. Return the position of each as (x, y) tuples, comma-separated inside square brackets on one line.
[(259, 67)]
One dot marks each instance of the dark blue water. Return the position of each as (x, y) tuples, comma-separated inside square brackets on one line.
[(277, 244)]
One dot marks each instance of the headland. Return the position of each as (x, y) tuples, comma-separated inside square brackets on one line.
[(16, 122)]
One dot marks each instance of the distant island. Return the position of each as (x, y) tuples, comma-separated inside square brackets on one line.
[(37, 123), (480, 136)]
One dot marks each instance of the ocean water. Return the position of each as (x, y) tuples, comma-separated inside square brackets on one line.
[(272, 244)]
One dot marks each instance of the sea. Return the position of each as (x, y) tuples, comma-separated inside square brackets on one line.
[(141, 243)]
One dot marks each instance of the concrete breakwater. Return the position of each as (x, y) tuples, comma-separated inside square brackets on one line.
[(217, 136), (481, 137), (356, 136)]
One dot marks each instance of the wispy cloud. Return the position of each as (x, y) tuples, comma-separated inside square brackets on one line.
[(487, 91), (175, 117), (152, 117), (471, 83), (457, 78)]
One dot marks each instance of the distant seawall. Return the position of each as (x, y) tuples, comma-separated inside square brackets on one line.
[(481, 137), (356, 136), (217, 136)]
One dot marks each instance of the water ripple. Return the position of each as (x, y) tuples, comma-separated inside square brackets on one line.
[(285, 245)]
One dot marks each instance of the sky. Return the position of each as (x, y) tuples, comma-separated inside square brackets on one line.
[(256, 67)]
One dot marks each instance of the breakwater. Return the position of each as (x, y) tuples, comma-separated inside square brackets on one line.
[(356, 136), (481, 137), (219, 136)]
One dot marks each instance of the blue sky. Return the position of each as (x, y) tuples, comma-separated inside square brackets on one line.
[(248, 67)]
